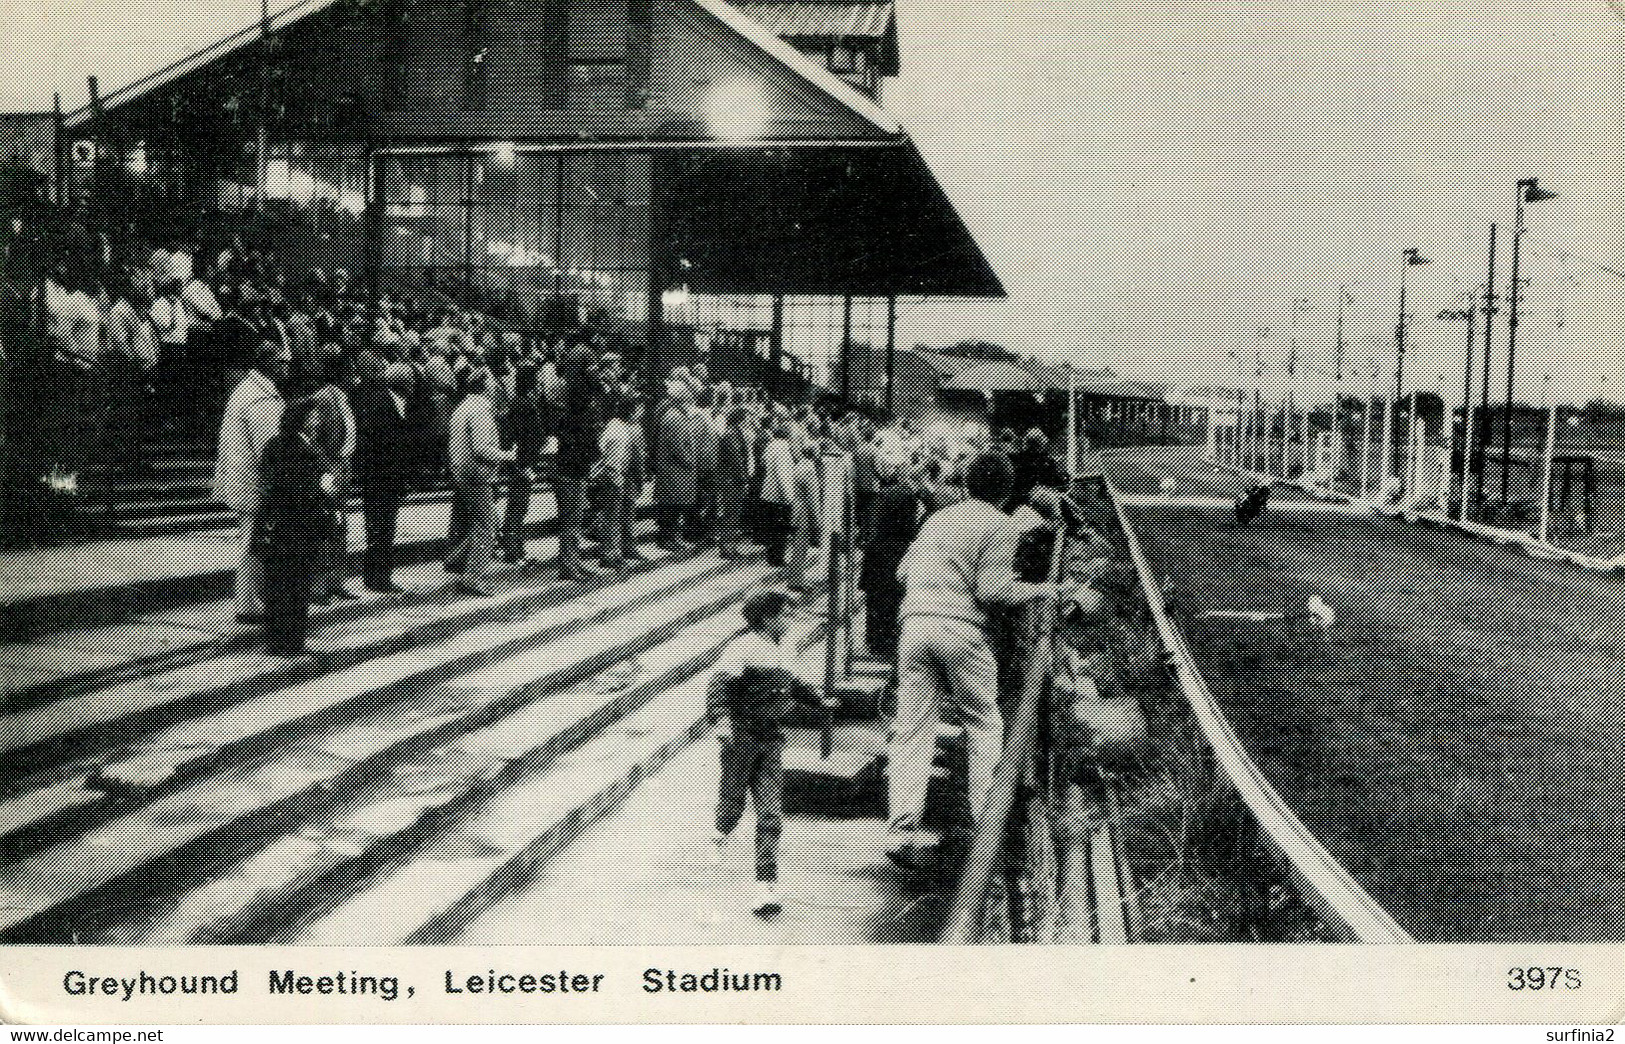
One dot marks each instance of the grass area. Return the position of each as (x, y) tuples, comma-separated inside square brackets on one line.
[(1455, 739)]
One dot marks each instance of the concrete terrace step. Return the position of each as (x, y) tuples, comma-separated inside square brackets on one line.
[(513, 837), (387, 831), (43, 723), (87, 883), (168, 561), (183, 736)]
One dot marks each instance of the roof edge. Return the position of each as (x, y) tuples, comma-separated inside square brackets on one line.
[(774, 47)]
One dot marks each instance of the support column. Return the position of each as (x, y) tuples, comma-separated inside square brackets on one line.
[(846, 348), (775, 346), (59, 182), (371, 248), (660, 265), (891, 352)]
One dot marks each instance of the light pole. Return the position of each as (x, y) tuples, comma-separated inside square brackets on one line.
[(1290, 423), (1369, 481), (1412, 258), (1260, 449), (1341, 460), (1468, 315), (1529, 191), (1482, 444)]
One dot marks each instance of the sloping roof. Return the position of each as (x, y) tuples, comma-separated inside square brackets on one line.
[(1034, 376), (824, 22), (823, 19), (863, 221), (770, 43), (986, 375), (802, 87)]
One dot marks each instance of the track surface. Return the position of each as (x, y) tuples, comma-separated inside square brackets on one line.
[(1457, 739)]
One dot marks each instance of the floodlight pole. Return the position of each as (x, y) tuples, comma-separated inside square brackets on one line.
[(1551, 453), (1529, 190), (1469, 315), (1412, 258), (1341, 436), (1490, 311)]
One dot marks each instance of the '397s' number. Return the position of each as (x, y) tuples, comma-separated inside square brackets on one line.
[(1543, 978)]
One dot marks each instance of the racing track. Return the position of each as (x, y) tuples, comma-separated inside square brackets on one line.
[(1457, 738)]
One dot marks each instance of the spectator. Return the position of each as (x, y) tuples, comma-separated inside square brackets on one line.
[(778, 469), (129, 352), (734, 468), (476, 454), (298, 514), (385, 462), (707, 437), (623, 459), (959, 568), (249, 423), (523, 431), (894, 525), (335, 441), (865, 481), (206, 356), (169, 323), (577, 434), (1033, 466), (129, 343), (804, 517), (676, 463)]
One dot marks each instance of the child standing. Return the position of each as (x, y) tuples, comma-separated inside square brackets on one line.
[(753, 692)]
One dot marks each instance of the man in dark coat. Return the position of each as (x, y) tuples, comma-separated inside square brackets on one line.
[(295, 520), (734, 466), (1033, 466), (522, 429), (676, 466), (386, 459), (894, 523), (580, 422)]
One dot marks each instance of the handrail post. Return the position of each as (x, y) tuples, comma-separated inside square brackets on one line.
[(1019, 746)]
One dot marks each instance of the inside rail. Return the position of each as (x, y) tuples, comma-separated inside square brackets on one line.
[(1346, 909)]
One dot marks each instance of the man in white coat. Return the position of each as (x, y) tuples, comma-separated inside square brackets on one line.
[(250, 421)]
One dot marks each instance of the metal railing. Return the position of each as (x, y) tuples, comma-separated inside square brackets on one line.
[(1346, 909)]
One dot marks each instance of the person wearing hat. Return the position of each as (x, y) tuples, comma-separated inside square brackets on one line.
[(1033, 466), (676, 463)]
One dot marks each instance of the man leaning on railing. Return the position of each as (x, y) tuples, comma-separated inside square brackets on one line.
[(958, 575)]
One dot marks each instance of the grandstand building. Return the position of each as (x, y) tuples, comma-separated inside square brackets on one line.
[(686, 172)]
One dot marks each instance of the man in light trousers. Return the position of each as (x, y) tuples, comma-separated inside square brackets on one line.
[(958, 571), (476, 454)]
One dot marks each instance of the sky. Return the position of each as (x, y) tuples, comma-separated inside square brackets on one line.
[(1168, 189), (1161, 185)]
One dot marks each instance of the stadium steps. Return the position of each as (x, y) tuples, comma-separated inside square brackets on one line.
[(313, 757)]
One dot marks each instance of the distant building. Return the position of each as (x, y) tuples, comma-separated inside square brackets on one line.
[(854, 39)]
